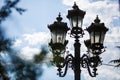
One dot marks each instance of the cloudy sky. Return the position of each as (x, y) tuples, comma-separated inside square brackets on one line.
[(30, 31)]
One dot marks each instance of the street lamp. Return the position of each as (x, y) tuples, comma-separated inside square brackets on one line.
[(91, 60), (58, 43), (75, 17), (97, 33)]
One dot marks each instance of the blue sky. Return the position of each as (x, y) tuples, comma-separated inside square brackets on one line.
[(30, 31)]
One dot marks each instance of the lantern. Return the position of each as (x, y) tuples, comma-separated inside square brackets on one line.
[(75, 17), (58, 35), (97, 33)]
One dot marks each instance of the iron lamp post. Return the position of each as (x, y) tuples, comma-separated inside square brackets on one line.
[(91, 60)]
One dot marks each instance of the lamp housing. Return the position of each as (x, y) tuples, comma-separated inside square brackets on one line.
[(58, 37), (75, 17), (97, 33)]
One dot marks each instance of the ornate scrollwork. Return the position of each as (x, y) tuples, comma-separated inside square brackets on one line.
[(86, 62), (67, 61), (91, 63)]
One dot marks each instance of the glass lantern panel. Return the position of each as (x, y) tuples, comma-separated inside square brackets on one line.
[(97, 37), (92, 37), (64, 37), (102, 37), (73, 21), (60, 37), (53, 36), (80, 21)]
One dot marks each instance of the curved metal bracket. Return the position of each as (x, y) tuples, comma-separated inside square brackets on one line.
[(68, 59), (85, 62), (92, 74)]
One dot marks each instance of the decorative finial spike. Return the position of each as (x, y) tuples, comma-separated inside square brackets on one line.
[(74, 3), (59, 14), (59, 18), (75, 6), (97, 16), (97, 20)]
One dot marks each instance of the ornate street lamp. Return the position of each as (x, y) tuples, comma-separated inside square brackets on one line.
[(58, 39), (97, 33), (58, 43), (75, 17)]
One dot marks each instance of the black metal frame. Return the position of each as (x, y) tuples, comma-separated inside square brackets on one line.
[(77, 61), (84, 61)]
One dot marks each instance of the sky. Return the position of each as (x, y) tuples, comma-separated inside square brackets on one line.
[(30, 31)]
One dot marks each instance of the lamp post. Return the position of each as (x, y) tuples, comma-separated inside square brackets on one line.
[(91, 60)]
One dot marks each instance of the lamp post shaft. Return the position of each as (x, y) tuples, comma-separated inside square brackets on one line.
[(77, 70)]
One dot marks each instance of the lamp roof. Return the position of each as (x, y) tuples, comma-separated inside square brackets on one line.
[(97, 26), (76, 12), (58, 25)]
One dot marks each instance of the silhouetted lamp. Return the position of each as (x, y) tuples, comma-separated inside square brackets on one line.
[(58, 38), (97, 33), (58, 43), (75, 17)]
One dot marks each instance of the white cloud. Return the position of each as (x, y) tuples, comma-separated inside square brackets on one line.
[(113, 35), (33, 39), (30, 44), (37, 38), (17, 43), (28, 52)]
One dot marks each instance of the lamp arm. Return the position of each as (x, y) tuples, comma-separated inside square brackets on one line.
[(85, 64), (92, 74), (60, 71), (65, 65), (68, 58)]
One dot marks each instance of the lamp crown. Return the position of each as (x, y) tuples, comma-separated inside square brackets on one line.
[(75, 6), (59, 18), (97, 20)]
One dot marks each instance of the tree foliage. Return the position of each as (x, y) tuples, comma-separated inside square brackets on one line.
[(5, 43), (3, 73), (41, 56), (6, 10), (22, 69), (26, 70)]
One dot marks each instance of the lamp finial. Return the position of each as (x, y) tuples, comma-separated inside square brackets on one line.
[(75, 6), (59, 18), (97, 20)]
